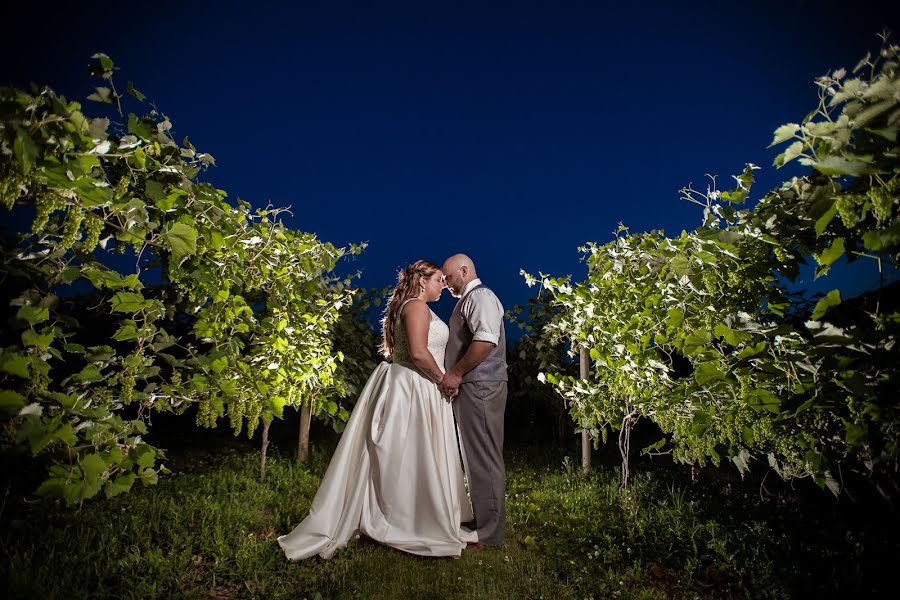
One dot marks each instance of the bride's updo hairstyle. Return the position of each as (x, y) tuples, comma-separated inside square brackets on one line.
[(409, 285)]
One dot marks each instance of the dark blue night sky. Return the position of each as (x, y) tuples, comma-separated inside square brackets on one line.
[(512, 131)]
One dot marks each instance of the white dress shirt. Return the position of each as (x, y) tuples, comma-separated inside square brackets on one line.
[(483, 312)]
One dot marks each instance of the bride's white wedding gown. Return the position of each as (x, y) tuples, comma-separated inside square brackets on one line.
[(396, 474)]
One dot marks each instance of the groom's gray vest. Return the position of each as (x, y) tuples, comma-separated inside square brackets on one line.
[(493, 367)]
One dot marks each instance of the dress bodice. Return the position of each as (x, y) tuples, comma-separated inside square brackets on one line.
[(438, 334)]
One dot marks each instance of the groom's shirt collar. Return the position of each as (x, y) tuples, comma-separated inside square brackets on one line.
[(470, 286)]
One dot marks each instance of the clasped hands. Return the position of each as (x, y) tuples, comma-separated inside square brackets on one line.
[(449, 385)]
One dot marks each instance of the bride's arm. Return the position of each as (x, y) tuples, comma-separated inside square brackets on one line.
[(417, 318)]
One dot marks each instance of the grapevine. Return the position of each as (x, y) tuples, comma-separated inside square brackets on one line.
[(244, 291), (765, 372)]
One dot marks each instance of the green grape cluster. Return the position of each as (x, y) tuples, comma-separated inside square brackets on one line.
[(733, 429), (126, 387), (814, 419), (39, 381), (71, 228), (680, 453), (687, 446), (9, 191), (236, 415), (252, 414), (103, 396), (701, 448), (763, 433), (121, 188), (45, 205), (746, 385), (855, 408), (709, 281), (206, 415), (770, 436), (848, 207), (882, 204), (93, 228), (664, 419)]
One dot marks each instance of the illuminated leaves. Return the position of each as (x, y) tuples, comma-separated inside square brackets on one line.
[(784, 133), (128, 302), (14, 363), (11, 402), (235, 287), (182, 241), (25, 149), (702, 334), (833, 298)]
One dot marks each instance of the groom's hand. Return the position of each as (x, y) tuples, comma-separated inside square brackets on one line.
[(450, 384)]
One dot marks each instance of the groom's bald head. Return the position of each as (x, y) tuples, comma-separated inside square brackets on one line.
[(460, 260), (458, 271)]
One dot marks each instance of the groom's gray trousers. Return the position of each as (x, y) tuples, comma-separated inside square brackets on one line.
[(479, 410)]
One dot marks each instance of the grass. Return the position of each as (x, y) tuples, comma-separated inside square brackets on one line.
[(209, 530)]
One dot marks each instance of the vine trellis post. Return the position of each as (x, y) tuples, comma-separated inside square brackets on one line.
[(303, 438), (584, 373), (263, 448)]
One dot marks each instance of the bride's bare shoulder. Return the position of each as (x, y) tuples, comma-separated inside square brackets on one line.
[(415, 308)]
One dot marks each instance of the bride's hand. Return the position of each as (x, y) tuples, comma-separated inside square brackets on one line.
[(447, 392), (450, 385)]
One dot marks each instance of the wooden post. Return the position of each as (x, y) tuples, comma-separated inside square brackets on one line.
[(585, 369), (303, 440), (262, 450)]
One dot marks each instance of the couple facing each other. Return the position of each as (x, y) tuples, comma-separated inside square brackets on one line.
[(396, 475)]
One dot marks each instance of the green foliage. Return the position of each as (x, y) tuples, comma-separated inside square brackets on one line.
[(355, 343), (240, 326), (701, 334)]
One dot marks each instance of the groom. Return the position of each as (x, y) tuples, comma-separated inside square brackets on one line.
[(476, 367)]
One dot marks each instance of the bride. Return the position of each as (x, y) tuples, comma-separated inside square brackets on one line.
[(396, 475)]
